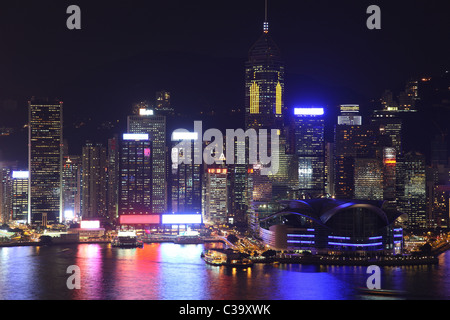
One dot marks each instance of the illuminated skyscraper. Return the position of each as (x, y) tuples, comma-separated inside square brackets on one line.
[(45, 161), (71, 183), (153, 124), (352, 142), (94, 181), (19, 197), (216, 195), (264, 84), (411, 189), (136, 187), (368, 175), (186, 178), (310, 149)]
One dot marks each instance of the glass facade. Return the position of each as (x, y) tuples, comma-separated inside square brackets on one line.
[(45, 161), (155, 126), (310, 149)]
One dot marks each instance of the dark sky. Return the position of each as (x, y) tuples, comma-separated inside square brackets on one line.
[(196, 49)]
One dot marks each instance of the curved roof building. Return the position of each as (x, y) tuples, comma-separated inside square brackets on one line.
[(334, 225)]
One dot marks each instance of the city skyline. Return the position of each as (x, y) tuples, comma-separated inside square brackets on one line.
[(172, 150), (317, 73)]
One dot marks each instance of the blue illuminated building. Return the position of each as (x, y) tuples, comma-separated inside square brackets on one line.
[(329, 226), (310, 149)]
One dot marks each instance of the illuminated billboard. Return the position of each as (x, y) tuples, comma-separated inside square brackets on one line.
[(139, 219), (309, 111), (135, 136), (20, 174), (90, 224), (145, 112), (181, 218), (178, 135)]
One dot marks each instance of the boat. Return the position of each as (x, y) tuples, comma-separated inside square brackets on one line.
[(188, 237), (127, 239), (223, 258), (212, 259), (381, 292), (238, 263)]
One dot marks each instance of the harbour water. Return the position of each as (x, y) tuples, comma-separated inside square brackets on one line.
[(168, 271)]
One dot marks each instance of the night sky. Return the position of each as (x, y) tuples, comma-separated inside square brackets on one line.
[(128, 50)]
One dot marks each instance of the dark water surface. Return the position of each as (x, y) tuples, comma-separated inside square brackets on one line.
[(169, 271)]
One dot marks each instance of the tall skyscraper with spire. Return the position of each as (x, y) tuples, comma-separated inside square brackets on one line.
[(264, 84)]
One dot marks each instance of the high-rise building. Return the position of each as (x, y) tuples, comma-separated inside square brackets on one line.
[(411, 189), (148, 122), (19, 196), (45, 161), (265, 109), (71, 185), (216, 196), (349, 115), (310, 149), (186, 176), (390, 125), (135, 189), (352, 142), (113, 177), (94, 183), (5, 192), (264, 84), (368, 176)]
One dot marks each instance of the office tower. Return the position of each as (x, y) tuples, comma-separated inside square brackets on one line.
[(113, 177), (19, 196), (310, 149), (45, 161), (186, 176), (135, 190), (5, 192), (264, 84), (352, 142), (216, 195), (389, 174), (148, 122), (411, 189), (440, 204), (163, 103), (390, 125), (349, 115), (368, 175), (94, 184), (329, 169), (71, 185)]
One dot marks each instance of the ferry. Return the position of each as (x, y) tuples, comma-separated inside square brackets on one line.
[(189, 237), (127, 239), (211, 259), (224, 258)]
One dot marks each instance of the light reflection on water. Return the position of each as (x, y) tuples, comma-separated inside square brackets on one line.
[(169, 271)]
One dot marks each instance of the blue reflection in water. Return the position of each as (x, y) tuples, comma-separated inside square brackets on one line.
[(169, 271)]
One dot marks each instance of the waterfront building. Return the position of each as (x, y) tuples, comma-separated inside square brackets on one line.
[(186, 176), (113, 177), (153, 124), (94, 181), (71, 184), (19, 196), (135, 190), (45, 161), (216, 195), (328, 225), (411, 189)]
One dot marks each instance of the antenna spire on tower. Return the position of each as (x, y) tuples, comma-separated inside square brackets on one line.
[(266, 22)]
